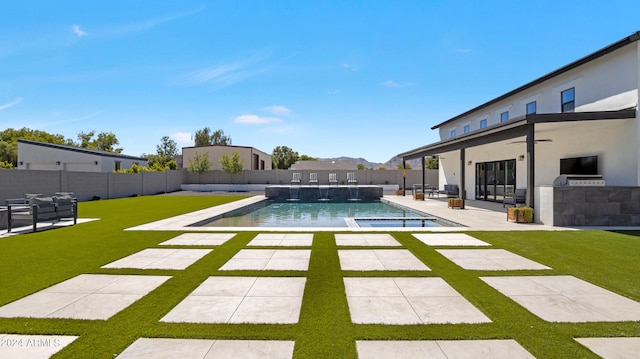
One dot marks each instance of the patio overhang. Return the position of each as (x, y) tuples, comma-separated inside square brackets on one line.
[(517, 127)]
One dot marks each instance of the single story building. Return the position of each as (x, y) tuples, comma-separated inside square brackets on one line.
[(252, 159), (571, 138), (34, 155)]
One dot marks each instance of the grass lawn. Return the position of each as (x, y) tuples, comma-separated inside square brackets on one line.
[(31, 262)]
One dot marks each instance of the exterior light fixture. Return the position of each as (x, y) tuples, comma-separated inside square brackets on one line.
[(521, 158)]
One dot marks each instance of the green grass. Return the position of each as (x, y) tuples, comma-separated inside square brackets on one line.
[(31, 262)]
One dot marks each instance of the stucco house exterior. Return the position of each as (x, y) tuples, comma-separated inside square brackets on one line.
[(252, 158), (34, 155), (571, 138)]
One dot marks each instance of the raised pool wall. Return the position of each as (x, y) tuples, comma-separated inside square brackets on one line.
[(316, 193)]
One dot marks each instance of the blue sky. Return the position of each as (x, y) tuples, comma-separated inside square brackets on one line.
[(325, 78)]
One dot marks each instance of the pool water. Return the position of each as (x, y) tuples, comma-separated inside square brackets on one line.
[(315, 214)]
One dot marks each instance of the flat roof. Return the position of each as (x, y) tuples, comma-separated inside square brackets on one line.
[(82, 150)]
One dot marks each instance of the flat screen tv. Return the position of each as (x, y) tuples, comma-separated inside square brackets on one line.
[(579, 165)]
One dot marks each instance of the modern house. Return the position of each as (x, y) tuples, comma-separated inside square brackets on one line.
[(252, 159), (34, 155), (571, 138)]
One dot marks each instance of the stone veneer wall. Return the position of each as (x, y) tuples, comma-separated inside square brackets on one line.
[(596, 206), (312, 193)]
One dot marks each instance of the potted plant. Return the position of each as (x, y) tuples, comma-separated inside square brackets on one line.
[(520, 214), (455, 202), (400, 192), (418, 196)]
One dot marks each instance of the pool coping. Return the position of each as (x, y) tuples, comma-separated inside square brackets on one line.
[(472, 219)]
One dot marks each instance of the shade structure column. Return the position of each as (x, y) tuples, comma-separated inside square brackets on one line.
[(404, 177), (424, 164), (531, 165), (462, 175)]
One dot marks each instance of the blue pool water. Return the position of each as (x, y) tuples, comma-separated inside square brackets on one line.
[(320, 214)]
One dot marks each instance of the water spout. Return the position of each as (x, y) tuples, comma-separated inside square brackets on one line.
[(353, 193), (324, 193), (294, 192)]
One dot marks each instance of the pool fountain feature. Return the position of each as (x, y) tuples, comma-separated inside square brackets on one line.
[(303, 193)]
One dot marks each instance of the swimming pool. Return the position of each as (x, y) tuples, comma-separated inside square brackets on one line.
[(324, 214)]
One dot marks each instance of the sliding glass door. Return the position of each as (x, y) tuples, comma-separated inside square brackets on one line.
[(495, 180)]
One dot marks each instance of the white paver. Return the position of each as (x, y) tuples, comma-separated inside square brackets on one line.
[(263, 300), (199, 239), (283, 240), (158, 348), (449, 239), (366, 240), (613, 348), (17, 346), (160, 258), (442, 349), (379, 259), (566, 299), (87, 296), (269, 259), (408, 301), (489, 259)]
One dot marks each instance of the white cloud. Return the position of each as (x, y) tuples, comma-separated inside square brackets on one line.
[(10, 104), (255, 120), (78, 31), (393, 84), (224, 75), (277, 110), (149, 23), (182, 138)]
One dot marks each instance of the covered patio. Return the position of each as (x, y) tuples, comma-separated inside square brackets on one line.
[(528, 130)]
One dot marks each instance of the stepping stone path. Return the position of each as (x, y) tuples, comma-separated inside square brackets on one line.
[(269, 259), (87, 296), (32, 346), (152, 348), (566, 299), (489, 259), (262, 300), (199, 239), (408, 301), (160, 258), (282, 240), (228, 299)]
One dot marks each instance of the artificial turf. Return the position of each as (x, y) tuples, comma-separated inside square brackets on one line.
[(32, 262)]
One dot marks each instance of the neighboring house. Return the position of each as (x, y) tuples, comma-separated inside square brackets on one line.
[(34, 155), (577, 125), (253, 159)]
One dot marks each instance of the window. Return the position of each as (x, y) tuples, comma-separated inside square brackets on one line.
[(453, 133), (483, 123), (467, 129), (117, 165), (504, 116), (532, 107), (568, 98)]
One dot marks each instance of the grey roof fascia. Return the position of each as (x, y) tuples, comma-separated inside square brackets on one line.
[(604, 51), (82, 150)]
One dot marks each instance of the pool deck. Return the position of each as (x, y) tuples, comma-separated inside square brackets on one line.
[(477, 216)]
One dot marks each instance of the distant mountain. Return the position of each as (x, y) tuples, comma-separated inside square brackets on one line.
[(395, 161), (357, 161)]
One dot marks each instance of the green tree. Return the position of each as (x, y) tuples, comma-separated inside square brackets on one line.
[(4, 164), (361, 167), (163, 159), (283, 157), (307, 158), (9, 142), (231, 164), (205, 137), (431, 163), (200, 163), (406, 166), (104, 141)]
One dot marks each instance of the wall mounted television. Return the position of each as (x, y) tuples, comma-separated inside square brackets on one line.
[(587, 165)]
